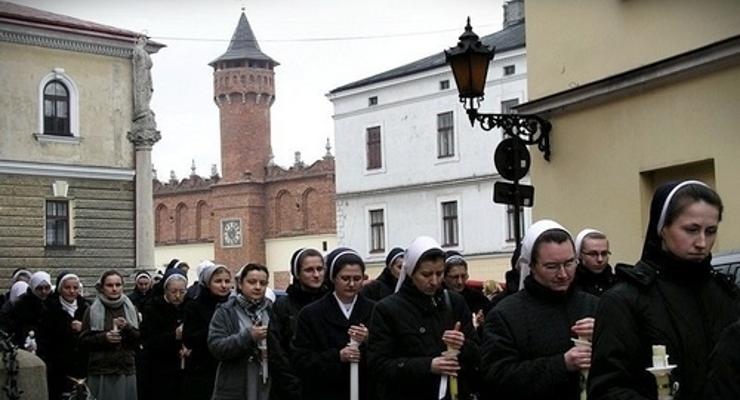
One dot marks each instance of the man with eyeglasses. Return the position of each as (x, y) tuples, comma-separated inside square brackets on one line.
[(594, 274), (528, 338)]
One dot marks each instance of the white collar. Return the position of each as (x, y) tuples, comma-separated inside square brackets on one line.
[(345, 307)]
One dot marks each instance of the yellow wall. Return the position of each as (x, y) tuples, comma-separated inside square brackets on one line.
[(479, 268), (572, 42), (599, 153), (192, 254), (104, 84), (278, 251)]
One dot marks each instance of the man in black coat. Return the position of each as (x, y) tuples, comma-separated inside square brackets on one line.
[(331, 333), (724, 373), (528, 352), (456, 279), (385, 284), (594, 275), (423, 335)]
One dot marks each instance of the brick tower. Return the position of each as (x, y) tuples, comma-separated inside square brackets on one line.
[(244, 90)]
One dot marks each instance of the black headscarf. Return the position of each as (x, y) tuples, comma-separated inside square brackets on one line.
[(340, 257)]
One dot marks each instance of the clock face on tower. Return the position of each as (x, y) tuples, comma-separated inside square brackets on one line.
[(231, 233)]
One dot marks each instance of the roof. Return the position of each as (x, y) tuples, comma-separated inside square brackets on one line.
[(243, 45), (33, 17), (512, 37)]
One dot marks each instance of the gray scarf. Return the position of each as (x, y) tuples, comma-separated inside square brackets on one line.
[(98, 307)]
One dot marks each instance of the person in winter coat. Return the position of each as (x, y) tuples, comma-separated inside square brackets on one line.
[(110, 333), (25, 314), (422, 335), (594, 275), (200, 366), (16, 291), (722, 380), (19, 275), (331, 333), (161, 337), (385, 284), (194, 289), (527, 348), (309, 284), (142, 285), (672, 297), (240, 340), (456, 279), (59, 336)]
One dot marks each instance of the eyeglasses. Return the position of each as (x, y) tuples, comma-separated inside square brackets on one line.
[(594, 254), (554, 267)]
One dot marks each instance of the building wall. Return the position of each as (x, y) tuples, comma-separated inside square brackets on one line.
[(607, 155), (279, 251), (192, 254), (102, 233), (105, 100), (184, 217), (572, 42)]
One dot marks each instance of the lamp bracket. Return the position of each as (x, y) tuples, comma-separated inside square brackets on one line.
[(531, 129)]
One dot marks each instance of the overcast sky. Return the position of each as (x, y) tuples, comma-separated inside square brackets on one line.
[(320, 45)]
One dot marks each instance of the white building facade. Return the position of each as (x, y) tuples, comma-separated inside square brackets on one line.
[(408, 162)]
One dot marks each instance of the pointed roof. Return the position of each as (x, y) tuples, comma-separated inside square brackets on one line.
[(244, 45)]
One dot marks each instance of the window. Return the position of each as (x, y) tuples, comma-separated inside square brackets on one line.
[(444, 85), (509, 70), (56, 109), (374, 158), (508, 105), (377, 231), (450, 235), (57, 223), (372, 101), (510, 223), (445, 135)]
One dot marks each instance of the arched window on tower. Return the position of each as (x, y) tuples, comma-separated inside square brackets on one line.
[(311, 204), (56, 109), (202, 221), (160, 224), (180, 223)]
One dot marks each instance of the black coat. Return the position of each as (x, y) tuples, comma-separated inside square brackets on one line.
[(594, 283), (381, 287), (24, 316), (200, 367), (524, 339), (161, 350), (657, 305), (724, 371), (321, 332), (406, 334), (476, 300), (59, 346), (138, 298)]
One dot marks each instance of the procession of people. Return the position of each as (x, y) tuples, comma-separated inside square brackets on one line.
[(566, 325)]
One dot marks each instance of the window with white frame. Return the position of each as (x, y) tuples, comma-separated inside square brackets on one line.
[(450, 234), (58, 102), (445, 135), (57, 223), (509, 70), (377, 231), (374, 154), (444, 84), (510, 223), (507, 106)]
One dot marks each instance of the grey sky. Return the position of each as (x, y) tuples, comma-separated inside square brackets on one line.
[(196, 32)]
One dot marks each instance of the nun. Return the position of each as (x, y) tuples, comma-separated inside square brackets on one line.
[(24, 316), (200, 366), (528, 351), (142, 286), (19, 275), (161, 337), (672, 297), (332, 333), (110, 333), (58, 339), (423, 344), (386, 282)]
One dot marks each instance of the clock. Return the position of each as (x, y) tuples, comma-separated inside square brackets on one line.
[(231, 233)]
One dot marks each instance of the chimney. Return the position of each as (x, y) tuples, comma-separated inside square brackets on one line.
[(513, 12)]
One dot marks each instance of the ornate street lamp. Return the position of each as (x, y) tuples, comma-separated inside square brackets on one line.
[(469, 61)]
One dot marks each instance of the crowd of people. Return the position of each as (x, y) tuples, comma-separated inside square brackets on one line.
[(565, 323)]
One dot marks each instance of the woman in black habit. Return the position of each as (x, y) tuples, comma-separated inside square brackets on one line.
[(385, 284), (322, 353), (672, 297)]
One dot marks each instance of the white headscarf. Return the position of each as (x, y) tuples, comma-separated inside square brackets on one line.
[(582, 235), (418, 247), (39, 278), (270, 295), (17, 290), (203, 265), (534, 232)]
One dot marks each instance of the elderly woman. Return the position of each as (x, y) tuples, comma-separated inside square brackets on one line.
[(25, 314), (110, 333), (200, 366), (59, 336), (239, 339), (161, 337), (322, 345), (422, 335), (672, 297)]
